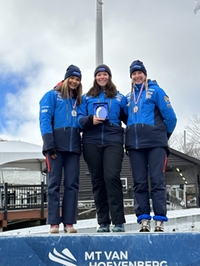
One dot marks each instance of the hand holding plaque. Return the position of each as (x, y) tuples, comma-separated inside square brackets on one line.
[(101, 110)]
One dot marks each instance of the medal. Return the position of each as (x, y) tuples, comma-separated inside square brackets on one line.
[(74, 113), (135, 109)]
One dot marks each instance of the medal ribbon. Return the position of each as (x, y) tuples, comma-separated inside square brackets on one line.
[(71, 99), (74, 106), (134, 97), (73, 112)]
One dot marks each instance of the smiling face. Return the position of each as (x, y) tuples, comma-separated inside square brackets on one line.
[(73, 82), (138, 77), (102, 79)]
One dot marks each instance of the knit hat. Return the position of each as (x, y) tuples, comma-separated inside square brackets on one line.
[(102, 68), (137, 65), (73, 71)]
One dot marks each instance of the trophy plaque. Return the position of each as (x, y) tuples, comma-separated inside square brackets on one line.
[(101, 110)]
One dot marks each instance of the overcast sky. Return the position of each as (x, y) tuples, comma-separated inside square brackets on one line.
[(40, 39)]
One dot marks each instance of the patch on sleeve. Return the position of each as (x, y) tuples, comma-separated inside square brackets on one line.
[(166, 98)]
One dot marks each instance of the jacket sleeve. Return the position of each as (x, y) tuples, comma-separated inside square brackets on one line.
[(47, 106), (84, 120), (123, 112), (167, 112)]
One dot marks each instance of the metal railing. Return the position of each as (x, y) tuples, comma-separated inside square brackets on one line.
[(15, 197), (20, 197)]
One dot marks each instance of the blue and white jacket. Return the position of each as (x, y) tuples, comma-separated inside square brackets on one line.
[(58, 127), (108, 131), (154, 120)]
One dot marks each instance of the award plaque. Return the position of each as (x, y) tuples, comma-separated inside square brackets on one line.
[(101, 110)]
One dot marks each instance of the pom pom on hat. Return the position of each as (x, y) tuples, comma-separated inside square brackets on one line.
[(73, 71), (103, 68), (137, 65)]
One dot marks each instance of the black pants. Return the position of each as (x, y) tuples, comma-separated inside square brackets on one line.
[(104, 164), (152, 160)]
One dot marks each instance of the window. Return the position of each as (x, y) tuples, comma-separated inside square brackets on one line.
[(124, 184)]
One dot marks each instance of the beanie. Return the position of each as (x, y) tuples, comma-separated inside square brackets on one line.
[(137, 65), (102, 68), (73, 71)]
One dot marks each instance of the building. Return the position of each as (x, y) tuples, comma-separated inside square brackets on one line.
[(182, 179)]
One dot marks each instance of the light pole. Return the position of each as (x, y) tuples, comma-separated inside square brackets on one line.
[(99, 33)]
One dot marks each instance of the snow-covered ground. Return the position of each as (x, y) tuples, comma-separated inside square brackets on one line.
[(185, 220)]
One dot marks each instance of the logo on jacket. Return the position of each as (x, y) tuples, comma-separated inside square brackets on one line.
[(65, 258), (118, 97), (166, 99)]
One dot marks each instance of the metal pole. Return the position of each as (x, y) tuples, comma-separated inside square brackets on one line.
[(99, 33), (42, 199)]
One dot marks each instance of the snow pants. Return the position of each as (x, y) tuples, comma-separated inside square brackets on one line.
[(149, 164), (70, 162), (104, 164)]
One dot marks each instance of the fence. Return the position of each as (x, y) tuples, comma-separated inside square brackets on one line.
[(15, 197), (19, 197)]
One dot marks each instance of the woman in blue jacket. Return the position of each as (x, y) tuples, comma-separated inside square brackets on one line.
[(100, 116), (62, 148), (151, 121)]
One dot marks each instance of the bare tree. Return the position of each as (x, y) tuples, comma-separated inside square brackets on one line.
[(189, 141), (193, 130), (176, 141)]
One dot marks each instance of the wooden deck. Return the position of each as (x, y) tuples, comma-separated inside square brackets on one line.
[(26, 214)]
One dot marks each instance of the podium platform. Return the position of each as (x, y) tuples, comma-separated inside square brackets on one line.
[(178, 246), (108, 249)]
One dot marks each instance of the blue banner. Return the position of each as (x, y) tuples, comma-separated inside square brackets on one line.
[(142, 249)]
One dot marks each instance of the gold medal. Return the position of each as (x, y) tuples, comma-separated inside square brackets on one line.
[(135, 109), (74, 113)]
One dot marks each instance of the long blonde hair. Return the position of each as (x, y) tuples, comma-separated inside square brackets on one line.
[(65, 91)]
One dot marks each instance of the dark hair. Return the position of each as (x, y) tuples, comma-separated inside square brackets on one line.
[(110, 89)]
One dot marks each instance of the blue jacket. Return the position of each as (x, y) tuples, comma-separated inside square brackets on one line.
[(58, 127), (154, 121), (110, 130)]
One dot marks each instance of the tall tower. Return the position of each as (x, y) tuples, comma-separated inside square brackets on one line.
[(99, 33)]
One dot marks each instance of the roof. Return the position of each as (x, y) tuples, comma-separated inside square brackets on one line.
[(19, 154), (185, 156)]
